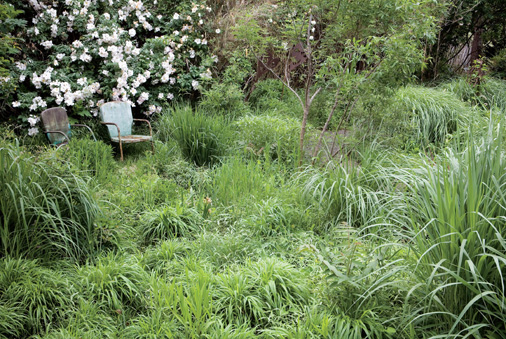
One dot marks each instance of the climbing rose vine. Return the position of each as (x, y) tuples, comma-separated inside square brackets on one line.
[(79, 54)]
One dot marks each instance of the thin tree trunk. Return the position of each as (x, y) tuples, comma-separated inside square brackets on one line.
[(303, 133)]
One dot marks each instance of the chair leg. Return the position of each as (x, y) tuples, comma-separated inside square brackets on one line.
[(152, 146), (121, 149)]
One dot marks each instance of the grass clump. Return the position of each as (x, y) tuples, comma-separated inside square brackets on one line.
[(269, 135), (260, 293), (167, 221), (457, 221), (45, 209), (238, 182), (115, 282), (427, 115), (489, 94), (202, 139), (94, 158), (41, 297)]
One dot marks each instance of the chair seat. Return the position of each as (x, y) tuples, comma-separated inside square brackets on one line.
[(128, 139)]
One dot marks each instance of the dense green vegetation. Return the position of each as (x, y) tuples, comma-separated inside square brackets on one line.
[(388, 222)]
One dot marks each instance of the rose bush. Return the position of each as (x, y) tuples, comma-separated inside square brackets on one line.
[(79, 54)]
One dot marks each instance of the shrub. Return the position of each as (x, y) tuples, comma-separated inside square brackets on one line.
[(223, 99), (498, 64), (273, 135), (143, 52)]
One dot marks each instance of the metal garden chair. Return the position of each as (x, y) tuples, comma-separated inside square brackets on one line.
[(57, 126), (117, 115)]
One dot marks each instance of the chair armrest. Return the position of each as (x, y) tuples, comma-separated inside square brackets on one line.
[(149, 124), (60, 132), (89, 129), (113, 124)]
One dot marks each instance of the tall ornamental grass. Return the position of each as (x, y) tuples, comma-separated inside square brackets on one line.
[(491, 93), (94, 158), (429, 115), (353, 193), (45, 209), (202, 139), (457, 207)]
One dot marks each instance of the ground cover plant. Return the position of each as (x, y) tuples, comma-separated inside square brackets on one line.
[(231, 229)]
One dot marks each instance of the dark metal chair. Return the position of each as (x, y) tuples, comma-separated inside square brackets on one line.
[(117, 115), (57, 127)]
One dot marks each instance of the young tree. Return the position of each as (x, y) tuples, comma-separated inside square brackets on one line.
[(345, 46)]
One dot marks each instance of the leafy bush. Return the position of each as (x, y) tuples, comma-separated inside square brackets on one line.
[(202, 139), (498, 64), (269, 134), (223, 99), (140, 52), (46, 210), (271, 97)]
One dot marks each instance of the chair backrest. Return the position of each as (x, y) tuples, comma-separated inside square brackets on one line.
[(120, 113), (56, 119)]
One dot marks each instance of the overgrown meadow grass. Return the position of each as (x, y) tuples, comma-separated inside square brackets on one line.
[(209, 238)]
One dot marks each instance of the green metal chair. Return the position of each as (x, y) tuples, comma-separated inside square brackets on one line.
[(117, 115), (57, 127)]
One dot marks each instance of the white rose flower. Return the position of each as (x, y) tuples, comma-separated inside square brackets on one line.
[(47, 44), (33, 131)]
